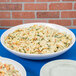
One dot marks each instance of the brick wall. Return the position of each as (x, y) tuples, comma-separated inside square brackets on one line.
[(15, 12)]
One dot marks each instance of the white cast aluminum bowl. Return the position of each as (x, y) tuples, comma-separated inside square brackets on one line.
[(17, 65), (38, 56)]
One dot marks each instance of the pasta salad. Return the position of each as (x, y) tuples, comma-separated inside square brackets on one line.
[(8, 70), (37, 40)]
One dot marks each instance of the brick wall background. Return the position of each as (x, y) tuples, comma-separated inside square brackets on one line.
[(15, 12)]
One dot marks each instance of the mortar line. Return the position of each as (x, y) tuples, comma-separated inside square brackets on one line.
[(11, 15), (71, 26), (72, 22), (38, 2), (59, 14), (37, 18), (5, 26), (10, 1), (35, 1), (48, 6), (47, 21), (23, 21), (22, 7), (35, 15), (73, 6), (35, 10), (61, 1), (12, 26)]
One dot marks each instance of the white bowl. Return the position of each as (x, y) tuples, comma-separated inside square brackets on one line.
[(17, 65), (38, 56), (62, 67)]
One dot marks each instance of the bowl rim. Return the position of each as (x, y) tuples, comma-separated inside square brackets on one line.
[(16, 52)]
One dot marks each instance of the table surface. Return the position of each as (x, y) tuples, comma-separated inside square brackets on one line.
[(33, 66)]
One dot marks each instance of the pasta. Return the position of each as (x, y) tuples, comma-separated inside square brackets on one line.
[(8, 70), (37, 40)]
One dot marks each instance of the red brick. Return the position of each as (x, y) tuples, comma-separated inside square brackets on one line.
[(69, 0), (68, 14), (47, 14), (10, 6), (47, 0), (22, 0), (75, 6), (74, 22), (61, 22), (4, 0), (35, 6), (60, 6), (10, 22), (30, 21), (4, 14), (23, 15)]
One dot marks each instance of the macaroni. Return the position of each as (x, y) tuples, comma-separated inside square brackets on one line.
[(37, 40)]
